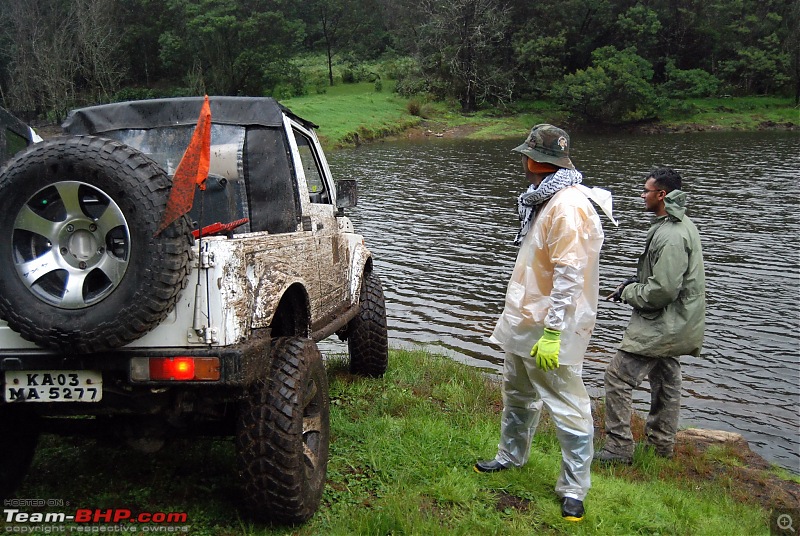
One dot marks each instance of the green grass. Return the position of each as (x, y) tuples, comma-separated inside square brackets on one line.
[(354, 113), (350, 114), (734, 113), (401, 458)]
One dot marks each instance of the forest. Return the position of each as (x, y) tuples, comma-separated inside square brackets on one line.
[(609, 61)]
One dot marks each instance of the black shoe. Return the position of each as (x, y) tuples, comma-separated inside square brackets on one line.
[(605, 456), (489, 466), (572, 509)]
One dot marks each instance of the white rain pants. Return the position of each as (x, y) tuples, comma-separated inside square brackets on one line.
[(526, 388)]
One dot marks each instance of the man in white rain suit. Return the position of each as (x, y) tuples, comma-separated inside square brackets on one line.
[(549, 314)]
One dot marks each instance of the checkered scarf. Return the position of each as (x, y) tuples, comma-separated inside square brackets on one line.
[(530, 201)]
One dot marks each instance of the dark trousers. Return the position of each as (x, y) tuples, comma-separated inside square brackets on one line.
[(624, 374)]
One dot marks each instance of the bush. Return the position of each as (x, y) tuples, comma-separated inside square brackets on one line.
[(282, 91), (353, 73), (411, 84), (397, 68), (140, 93), (682, 108), (615, 89), (133, 93), (411, 81), (285, 78), (427, 110), (319, 83), (348, 76), (691, 83)]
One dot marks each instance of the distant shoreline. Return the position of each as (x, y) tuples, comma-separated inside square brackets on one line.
[(440, 129)]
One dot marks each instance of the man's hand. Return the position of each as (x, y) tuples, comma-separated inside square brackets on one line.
[(546, 350), (617, 294)]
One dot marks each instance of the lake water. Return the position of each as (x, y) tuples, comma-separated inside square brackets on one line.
[(440, 216)]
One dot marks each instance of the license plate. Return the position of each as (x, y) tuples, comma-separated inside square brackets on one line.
[(53, 386)]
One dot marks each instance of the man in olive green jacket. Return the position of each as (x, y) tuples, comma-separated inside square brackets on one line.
[(668, 320)]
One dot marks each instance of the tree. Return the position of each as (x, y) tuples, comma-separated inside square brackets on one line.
[(58, 53), (231, 44), (61, 48), (589, 24), (792, 47), (98, 47), (355, 27), (460, 48), (758, 69), (751, 44), (689, 30), (401, 21), (615, 89), (689, 83), (44, 62), (639, 27), (540, 61), (144, 67), (329, 24), (552, 38)]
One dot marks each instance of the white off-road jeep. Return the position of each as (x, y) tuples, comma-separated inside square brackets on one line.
[(209, 327)]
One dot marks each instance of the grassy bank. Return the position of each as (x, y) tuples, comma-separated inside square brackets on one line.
[(401, 461), (745, 113), (354, 113), (350, 114)]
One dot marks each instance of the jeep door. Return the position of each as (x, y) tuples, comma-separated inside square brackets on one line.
[(318, 203)]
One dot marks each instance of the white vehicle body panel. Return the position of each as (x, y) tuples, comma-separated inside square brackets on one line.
[(237, 282)]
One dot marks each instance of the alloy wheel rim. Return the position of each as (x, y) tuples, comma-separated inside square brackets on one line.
[(71, 245)]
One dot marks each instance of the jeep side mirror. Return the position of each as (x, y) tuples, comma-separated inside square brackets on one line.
[(346, 193)]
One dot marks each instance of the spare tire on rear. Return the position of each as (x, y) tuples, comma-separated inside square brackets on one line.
[(82, 271)]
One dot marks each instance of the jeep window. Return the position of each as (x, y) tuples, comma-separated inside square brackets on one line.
[(224, 198), (166, 146), (311, 168)]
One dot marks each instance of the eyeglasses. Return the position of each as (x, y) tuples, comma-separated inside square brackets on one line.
[(645, 191)]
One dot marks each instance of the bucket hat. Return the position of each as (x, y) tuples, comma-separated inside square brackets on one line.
[(547, 144)]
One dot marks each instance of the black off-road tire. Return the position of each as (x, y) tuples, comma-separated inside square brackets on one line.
[(21, 434), (282, 435), (367, 338), (82, 271)]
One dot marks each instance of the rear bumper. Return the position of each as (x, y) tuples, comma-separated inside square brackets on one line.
[(240, 365)]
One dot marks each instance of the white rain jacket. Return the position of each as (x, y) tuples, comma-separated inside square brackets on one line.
[(555, 282)]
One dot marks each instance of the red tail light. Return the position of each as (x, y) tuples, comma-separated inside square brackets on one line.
[(175, 369)]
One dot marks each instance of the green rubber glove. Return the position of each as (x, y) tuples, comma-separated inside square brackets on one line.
[(546, 350)]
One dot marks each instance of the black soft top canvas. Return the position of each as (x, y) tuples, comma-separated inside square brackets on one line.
[(153, 113)]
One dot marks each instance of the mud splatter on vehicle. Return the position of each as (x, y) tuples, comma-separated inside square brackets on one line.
[(209, 327)]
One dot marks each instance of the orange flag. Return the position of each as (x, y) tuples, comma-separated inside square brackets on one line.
[(192, 171)]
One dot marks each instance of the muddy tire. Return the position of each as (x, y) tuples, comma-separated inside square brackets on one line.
[(282, 435), (367, 338), (17, 449), (82, 269)]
